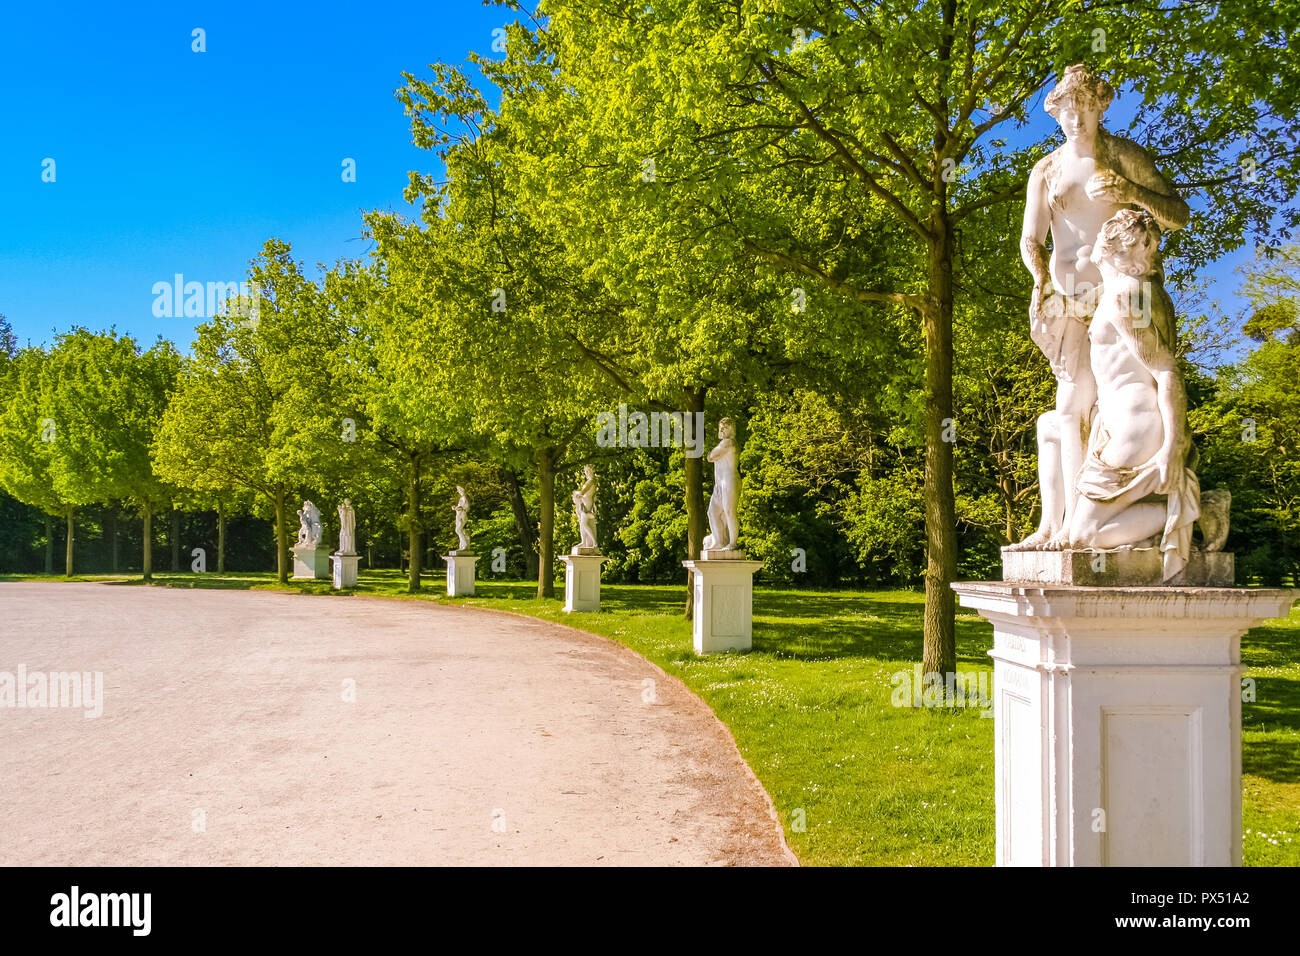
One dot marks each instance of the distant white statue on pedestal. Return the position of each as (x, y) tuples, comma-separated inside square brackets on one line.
[(1072, 192), (310, 531), (462, 511), (347, 528), (584, 507), (724, 526)]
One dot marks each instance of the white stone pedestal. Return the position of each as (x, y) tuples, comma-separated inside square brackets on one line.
[(460, 574), (582, 581), (311, 564), (345, 570), (724, 601), (1118, 721)]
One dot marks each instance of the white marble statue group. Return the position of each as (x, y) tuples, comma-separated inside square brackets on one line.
[(1115, 456), (311, 531)]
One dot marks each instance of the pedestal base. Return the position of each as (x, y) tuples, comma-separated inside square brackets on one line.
[(345, 570), (1118, 721), (582, 581), (1133, 567), (460, 574), (311, 564), (724, 603)]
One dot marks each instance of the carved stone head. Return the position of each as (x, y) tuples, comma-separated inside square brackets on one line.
[(1081, 88), (1129, 242)]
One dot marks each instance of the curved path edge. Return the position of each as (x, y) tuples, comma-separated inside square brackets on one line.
[(700, 704)]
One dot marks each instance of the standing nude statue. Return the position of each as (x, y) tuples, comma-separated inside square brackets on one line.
[(724, 526), (462, 510), (584, 506), (1072, 192)]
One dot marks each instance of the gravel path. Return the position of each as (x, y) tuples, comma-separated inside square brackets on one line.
[(269, 728)]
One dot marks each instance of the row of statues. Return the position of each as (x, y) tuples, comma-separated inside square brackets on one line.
[(723, 534)]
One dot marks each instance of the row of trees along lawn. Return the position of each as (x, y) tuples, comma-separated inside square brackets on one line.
[(803, 215)]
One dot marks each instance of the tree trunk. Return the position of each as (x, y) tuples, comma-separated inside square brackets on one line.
[(146, 561), (524, 527), (67, 557), (281, 538), (546, 522), (175, 540), (939, 653), (695, 511), (49, 544), (221, 537), (114, 542), (413, 526)]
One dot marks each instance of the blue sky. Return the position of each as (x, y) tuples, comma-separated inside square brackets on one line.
[(170, 161)]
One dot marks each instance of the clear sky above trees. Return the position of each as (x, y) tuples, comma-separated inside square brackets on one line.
[(172, 163)]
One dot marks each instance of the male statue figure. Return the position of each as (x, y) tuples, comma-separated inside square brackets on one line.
[(1137, 482), (724, 527), (1072, 192)]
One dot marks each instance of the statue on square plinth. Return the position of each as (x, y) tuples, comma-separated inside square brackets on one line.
[(310, 558), (461, 561), (584, 508), (1116, 641), (722, 580), (344, 561), (582, 564)]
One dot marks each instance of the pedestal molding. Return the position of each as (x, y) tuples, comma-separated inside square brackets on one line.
[(1118, 720)]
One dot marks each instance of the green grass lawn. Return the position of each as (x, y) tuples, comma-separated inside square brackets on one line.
[(855, 779)]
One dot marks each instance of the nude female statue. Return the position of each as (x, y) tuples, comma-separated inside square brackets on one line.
[(1072, 192), (724, 526), (584, 506), (462, 510)]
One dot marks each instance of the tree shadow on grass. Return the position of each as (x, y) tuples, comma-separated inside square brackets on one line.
[(882, 626), (1272, 645)]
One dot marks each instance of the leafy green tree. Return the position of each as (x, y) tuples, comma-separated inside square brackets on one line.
[(28, 433), (23, 458), (236, 419), (378, 426), (503, 312), (671, 323), (1249, 429), (108, 399)]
